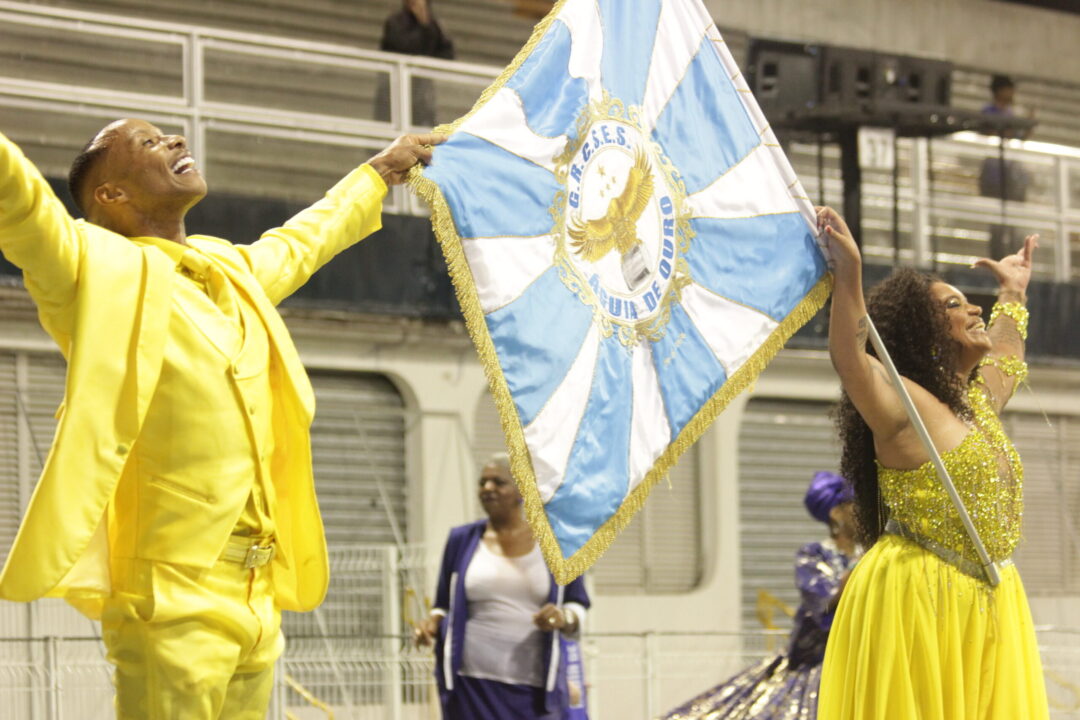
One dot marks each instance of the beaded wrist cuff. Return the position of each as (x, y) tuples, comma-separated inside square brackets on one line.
[(1014, 310), (1008, 364)]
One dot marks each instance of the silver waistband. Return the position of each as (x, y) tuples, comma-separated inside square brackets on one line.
[(958, 561)]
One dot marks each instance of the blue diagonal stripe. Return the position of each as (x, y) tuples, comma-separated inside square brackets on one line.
[(537, 337), (768, 263), (551, 98), (491, 192), (629, 33), (687, 369), (598, 469), (704, 128)]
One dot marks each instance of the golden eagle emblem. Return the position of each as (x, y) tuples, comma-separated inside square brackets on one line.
[(617, 229)]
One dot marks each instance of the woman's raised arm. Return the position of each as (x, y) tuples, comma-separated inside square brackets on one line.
[(863, 377), (1004, 368)]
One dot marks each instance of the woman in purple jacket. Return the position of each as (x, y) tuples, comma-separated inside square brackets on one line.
[(501, 625)]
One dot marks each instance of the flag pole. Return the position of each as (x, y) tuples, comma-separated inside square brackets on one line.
[(989, 566)]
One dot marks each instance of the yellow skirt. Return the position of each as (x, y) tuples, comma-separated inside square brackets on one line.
[(916, 639)]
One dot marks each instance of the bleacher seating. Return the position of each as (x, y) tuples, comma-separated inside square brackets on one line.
[(484, 31)]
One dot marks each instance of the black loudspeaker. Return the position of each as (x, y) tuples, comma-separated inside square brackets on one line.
[(923, 82), (862, 78), (823, 89), (784, 77), (850, 77)]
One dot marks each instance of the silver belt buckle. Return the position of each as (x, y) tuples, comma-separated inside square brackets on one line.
[(257, 556)]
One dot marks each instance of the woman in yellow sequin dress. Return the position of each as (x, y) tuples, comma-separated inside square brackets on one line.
[(919, 633)]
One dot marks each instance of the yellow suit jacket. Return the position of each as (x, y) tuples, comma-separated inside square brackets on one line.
[(106, 302)]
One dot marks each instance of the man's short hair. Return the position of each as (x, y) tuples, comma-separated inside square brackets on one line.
[(1000, 82), (82, 169)]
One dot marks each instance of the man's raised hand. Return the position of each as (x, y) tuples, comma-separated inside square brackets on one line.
[(394, 162)]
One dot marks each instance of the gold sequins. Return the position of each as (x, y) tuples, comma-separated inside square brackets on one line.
[(1008, 364), (1013, 310), (988, 475)]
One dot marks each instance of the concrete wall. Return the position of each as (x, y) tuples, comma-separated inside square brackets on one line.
[(983, 33)]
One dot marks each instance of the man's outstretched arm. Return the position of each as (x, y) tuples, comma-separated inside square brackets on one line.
[(284, 258), (36, 232)]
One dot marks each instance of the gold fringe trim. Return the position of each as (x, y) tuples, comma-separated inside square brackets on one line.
[(566, 569), (590, 552)]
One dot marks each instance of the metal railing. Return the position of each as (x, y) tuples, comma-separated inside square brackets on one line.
[(352, 659), (300, 100), (350, 655), (934, 215), (628, 676)]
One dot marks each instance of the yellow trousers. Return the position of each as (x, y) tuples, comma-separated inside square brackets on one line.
[(192, 644)]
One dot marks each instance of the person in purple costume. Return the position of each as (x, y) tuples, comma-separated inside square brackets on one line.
[(505, 633), (785, 687)]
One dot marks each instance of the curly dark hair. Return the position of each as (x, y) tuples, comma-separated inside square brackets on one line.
[(915, 331)]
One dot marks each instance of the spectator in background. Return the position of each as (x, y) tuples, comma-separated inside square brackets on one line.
[(413, 30), (1001, 178), (505, 633), (1002, 96)]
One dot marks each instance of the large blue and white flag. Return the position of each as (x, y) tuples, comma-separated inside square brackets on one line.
[(629, 246)]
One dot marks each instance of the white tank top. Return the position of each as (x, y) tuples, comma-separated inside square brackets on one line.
[(501, 641)]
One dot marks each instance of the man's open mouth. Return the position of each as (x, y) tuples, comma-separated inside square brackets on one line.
[(184, 165)]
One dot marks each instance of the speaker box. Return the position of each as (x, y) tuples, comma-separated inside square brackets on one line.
[(863, 78), (924, 82), (802, 86), (784, 77), (850, 77)]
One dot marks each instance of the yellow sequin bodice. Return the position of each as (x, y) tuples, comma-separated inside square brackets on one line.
[(988, 475)]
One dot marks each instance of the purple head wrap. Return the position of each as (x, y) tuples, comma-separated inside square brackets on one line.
[(826, 491)]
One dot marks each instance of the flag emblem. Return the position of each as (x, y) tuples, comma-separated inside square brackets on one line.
[(622, 224)]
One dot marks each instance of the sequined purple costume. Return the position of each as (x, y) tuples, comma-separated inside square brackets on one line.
[(784, 687)]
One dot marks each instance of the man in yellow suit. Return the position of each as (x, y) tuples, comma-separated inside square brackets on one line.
[(177, 503)]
